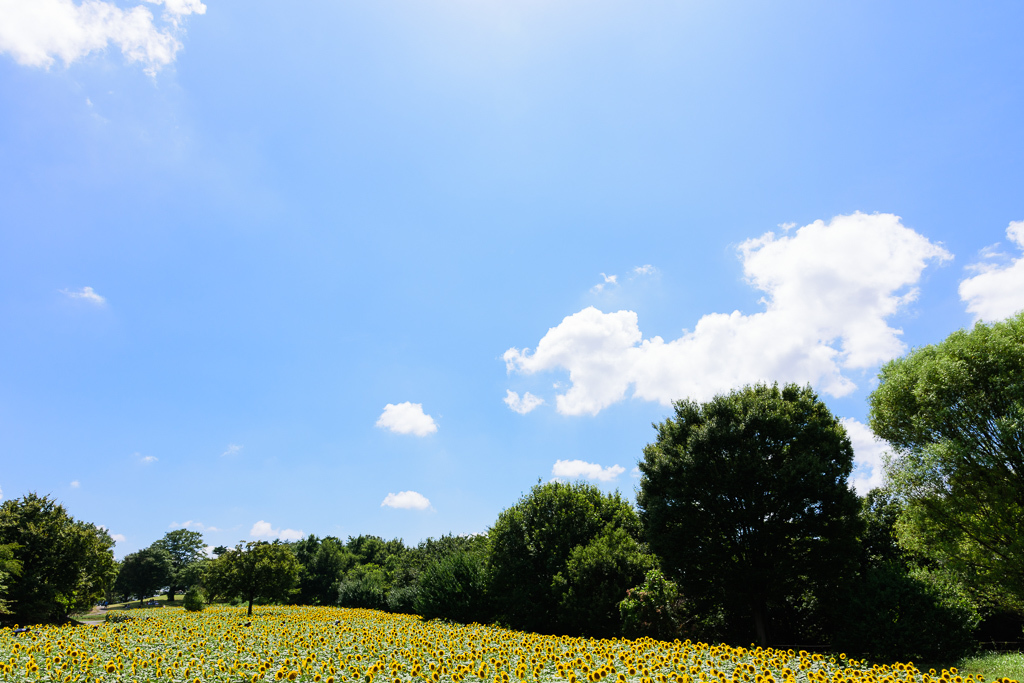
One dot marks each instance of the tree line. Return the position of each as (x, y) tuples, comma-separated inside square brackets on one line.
[(745, 529)]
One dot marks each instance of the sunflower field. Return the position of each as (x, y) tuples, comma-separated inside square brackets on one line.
[(336, 645)]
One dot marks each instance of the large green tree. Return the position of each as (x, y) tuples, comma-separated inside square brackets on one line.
[(324, 562), (143, 572), (185, 548), (745, 499), (64, 563), (532, 543), (954, 415), (260, 570)]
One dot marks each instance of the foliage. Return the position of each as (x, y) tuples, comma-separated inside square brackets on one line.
[(186, 549), (260, 570), (118, 617), (454, 586), (532, 542), (595, 579), (654, 609), (364, 585), (194, 600), (323, 562), (143, 572), (893, 613), (64, 563), (954, 415), (8, 567), (745, 500), (334, 645)]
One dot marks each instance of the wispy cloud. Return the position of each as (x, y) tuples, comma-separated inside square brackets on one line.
[(608, 280), (85, 293), (193, 526), (146, 459), (38, 32), (406, 500), (406, 418), (577, 469), (233, 449), (646, 269), (521, 405), (75, 484), (264, 530)]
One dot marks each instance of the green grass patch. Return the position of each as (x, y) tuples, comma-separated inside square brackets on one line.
[(995, 665)]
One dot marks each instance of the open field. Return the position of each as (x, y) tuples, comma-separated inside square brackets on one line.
[(336, 645)]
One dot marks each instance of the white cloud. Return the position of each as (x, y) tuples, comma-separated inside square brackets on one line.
[(646, 269), (1, 494), (406, 500), (867, 456), (147, 459), (38, 32), (521, 405), (75, 484), (406, 418), (233, 449), (575, 469), (829, 288), (264, 530), (192, 525), (86, 293), (208, 551), (997, 292), (118, 538), (608, 280)]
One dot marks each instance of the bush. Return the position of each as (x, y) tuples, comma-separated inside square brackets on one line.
[(194, 600), (895, 614), (364, 586), (117, 618), (402, 599), (454, 587)]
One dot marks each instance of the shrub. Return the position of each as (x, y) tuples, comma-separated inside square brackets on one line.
[(364, 586), (117, 618), (194, 600), (895, 614), (454, 587)]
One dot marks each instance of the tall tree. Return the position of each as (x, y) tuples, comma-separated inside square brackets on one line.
[(324, 563), (532, 542), (260, 570), (185, 548), (64, 563), (143, 572), (954, 415), (745, 500)]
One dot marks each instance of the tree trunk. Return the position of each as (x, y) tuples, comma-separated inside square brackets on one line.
[(250, 605), (170, 594), (761, 623)]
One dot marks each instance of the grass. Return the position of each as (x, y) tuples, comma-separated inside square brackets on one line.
[(995, 665)]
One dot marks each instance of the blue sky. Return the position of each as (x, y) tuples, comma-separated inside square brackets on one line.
[(275, 268)]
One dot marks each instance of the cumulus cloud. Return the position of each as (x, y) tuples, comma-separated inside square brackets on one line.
[(868, 452), (576, 469), (521, 405), (646, 269), (39, 32), (997, 292), (193, 526), (828, 291), (263, 529), (117, 538), (85, 293), (146, 459), (406, 500), (406, 418), (233, 449)]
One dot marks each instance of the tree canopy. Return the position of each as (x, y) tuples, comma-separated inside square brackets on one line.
[(144, 572), (953, 413), (260, 570), (533, 541), (185, 548), (745, 500), (63, 563)]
